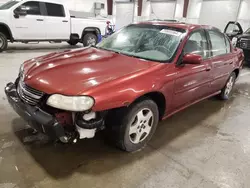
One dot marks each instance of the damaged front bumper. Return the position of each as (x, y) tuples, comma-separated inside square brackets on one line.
[(36, 117), (50, 124)]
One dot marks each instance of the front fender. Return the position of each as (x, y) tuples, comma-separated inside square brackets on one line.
[(123, 93), (6, 27)]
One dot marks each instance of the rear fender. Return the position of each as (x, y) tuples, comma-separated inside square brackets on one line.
[(92, 30)]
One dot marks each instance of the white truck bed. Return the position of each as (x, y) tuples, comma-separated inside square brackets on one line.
[(78, 24)]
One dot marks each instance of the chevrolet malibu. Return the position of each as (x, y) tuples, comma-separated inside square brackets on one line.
[(140, 75)]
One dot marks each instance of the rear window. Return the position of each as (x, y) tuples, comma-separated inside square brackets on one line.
[(218, 43), (55, 10)]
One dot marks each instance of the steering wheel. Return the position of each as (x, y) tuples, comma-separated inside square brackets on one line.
[(164, 50)]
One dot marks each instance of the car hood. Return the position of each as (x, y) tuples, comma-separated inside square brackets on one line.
[(73, 72)]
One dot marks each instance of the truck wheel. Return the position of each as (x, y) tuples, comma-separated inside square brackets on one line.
[(137, 126), (72, 42), (3, 42), (89, 39), (226, 92)]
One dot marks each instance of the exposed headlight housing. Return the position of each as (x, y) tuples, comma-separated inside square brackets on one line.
[(71, 103)]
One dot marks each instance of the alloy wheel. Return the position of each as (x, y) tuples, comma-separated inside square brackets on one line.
[(229, 86), (1, 42), (141, 126), (91, 41)]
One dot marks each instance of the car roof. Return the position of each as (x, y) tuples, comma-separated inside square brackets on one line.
[(181, 25), (46, 1)]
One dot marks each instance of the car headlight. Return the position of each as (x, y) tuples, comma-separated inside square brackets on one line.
[(234, 41), (71, 103)]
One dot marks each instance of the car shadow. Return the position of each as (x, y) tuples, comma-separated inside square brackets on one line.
[(97, 155)]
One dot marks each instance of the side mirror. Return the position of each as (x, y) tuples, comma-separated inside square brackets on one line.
[(191, 59), (20, 11)]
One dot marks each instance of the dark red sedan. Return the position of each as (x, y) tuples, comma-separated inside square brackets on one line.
[(127, 83)]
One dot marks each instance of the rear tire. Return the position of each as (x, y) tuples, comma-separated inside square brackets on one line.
[(137, 126), (226, 92), (3, 42), (72, 42), (89, 39)]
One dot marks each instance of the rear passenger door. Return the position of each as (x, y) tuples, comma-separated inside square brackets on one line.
[(221, 59), (57, 22)]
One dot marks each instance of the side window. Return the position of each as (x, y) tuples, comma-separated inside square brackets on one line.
[(32, 8), (228, 46), (218, 43), (232, 28), (55, 10), (197, 44)]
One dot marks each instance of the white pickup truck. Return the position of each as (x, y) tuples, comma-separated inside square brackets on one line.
[(45, 20)]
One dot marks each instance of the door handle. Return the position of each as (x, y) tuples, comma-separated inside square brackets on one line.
[(39, 20), (231, 63), (65, 21)]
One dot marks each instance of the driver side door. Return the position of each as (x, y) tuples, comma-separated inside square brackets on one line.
[(192, 81), (30, 26)]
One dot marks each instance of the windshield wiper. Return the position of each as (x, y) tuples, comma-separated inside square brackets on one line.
[(106, 49)]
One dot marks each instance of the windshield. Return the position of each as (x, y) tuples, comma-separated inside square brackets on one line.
[(152, 42), (248, 31), (8, 5)]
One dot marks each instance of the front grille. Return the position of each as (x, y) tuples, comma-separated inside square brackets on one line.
[(28, 94), (244, 43)]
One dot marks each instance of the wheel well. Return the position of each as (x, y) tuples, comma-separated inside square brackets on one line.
[(93, 30), (237, 71), (159, 99), (6, 31)]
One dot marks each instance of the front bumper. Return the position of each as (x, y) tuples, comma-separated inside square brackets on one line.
[(36, 117)]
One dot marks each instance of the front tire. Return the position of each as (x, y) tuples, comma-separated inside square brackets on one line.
[(3, 42), (89, 39), (226, 92), (137, 126)]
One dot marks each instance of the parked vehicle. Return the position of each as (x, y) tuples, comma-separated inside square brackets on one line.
[(43, 20), (239, 38), (127, 83)]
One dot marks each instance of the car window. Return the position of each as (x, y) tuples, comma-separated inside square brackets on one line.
[(217, 42), (55, 10), (152, 42), (248, 31), (197, 44), (228, 46), (32, 7), (8, 5), (232, 28)]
